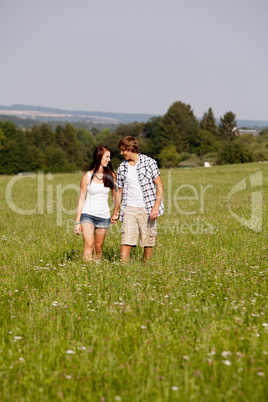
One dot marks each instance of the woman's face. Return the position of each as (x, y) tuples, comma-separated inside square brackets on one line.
[(105, 159)]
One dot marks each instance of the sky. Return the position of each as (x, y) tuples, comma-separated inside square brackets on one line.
[(136, 56)]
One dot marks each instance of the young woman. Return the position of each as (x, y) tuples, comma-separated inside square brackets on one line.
[(93, 213)]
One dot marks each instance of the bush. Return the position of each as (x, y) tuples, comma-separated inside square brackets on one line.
[(192, 161), (260, 154), (169, 157), (234, 152), (183, 156)]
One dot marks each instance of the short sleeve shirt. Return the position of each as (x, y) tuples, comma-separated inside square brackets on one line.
[(148, 171)]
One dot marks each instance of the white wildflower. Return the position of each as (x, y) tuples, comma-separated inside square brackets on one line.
[(70, 352), (174, 388), (226, 354), (226, 362)]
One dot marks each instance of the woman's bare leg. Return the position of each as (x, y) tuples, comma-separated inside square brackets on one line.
[(98, 243), (88, 234)]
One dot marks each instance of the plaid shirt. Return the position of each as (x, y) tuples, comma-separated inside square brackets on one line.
[(148, 171)]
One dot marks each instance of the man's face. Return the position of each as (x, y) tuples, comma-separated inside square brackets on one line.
[(127, 154)]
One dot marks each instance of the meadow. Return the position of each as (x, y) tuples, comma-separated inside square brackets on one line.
[(191, 325)]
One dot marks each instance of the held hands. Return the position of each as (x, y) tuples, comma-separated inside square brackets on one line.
[(114, 218)]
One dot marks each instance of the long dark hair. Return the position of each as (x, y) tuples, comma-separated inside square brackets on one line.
[(108, 179)]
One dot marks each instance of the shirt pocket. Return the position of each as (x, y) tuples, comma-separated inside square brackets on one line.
[(144, 175)]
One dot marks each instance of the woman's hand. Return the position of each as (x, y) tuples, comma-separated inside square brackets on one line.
[(114, 218), (77, 229)]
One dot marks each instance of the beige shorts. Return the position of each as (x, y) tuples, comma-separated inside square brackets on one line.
[(135, 223)]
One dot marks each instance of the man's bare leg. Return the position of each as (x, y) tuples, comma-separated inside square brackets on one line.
[(148, 252), (125, 252)]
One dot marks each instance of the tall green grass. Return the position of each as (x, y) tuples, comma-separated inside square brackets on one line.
[(190, 325)]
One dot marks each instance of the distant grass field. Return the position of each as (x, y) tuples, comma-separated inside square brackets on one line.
[(191, 325)]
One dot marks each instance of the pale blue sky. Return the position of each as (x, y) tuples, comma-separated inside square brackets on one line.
[(136, 56)]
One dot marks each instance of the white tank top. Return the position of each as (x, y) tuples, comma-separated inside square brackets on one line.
[(96, 202), (134, 193)]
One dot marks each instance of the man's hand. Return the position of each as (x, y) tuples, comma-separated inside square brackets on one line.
[(154, 213), (159, 194)]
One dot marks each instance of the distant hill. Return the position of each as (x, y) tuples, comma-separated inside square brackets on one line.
[(31, 115), (46, 114), (29, 123)]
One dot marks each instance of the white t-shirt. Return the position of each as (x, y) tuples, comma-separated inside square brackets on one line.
[(96, 202), (134, 193)]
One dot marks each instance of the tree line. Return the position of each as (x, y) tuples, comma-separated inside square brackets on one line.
[(176, 139)]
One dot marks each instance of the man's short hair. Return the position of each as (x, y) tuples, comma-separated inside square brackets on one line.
[(129, 144)]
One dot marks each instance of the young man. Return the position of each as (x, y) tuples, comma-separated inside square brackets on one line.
[(140, 189)]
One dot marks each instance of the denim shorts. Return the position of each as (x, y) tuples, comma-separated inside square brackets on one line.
[(101, 223)]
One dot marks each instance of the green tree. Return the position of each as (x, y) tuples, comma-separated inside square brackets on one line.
[(133, 129), (72, 146), (179, 127), (9, 130), (87, 144), (227, 127), (208, 122), (60, 137), (85, 137), (2, 138), (56, 161), (153, 133), (11, 158), (206, 142), (100, 137)]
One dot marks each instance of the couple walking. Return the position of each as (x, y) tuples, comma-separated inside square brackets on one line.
[(139, 193)]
